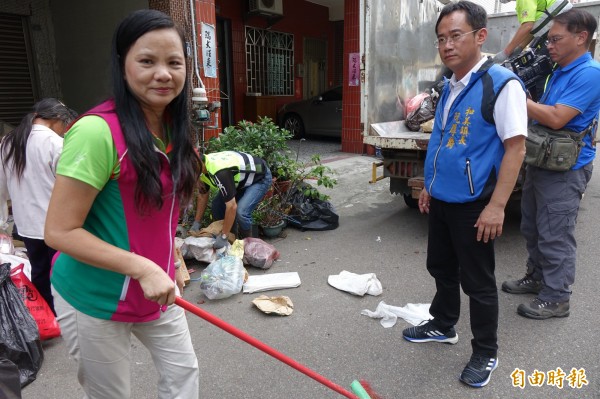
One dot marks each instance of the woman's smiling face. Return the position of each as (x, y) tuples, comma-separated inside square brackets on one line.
[(155, 69)]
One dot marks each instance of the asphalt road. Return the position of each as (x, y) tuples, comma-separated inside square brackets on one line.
[(327, 333)]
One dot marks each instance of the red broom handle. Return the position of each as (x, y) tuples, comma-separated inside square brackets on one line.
[(262, 346)]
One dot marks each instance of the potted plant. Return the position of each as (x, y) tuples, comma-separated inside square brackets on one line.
[(270, 214)]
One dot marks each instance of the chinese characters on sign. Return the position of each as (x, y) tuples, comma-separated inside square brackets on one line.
[(354, 69), (209, 51), (557, 378)]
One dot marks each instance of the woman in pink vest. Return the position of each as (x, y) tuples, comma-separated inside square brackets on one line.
[(126, 166)]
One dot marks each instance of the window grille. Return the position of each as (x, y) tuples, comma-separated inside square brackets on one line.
[(269, 62)]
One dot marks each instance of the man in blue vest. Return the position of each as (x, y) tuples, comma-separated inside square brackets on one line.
[(550, 200), (473, 160), (241, 181)]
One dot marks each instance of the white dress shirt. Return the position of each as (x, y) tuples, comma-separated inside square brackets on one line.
[(30, 195)]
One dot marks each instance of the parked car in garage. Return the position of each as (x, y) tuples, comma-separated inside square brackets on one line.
[(317, 116)]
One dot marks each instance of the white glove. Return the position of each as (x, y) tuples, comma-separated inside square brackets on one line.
[(500, 57)]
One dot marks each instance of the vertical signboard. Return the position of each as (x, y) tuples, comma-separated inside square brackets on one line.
[(209, 51), (354, 69)]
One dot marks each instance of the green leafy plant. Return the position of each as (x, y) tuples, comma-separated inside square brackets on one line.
[(263, 139), (316, 172)]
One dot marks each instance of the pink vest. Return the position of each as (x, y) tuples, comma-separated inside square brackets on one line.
[(150, 235)]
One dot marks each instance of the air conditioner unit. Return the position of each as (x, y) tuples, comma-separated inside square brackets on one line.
[(267, 7)]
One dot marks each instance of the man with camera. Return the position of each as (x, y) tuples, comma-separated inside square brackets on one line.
[(551, 197), (534, 65), (534, 21)]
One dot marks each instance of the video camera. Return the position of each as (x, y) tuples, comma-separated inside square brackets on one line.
[(532, 66)]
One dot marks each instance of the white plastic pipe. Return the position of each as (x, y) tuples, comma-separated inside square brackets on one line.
[(196, 69)]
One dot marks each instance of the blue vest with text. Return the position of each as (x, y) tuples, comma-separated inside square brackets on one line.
[(463, 159)]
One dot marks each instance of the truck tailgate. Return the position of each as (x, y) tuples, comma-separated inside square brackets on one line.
[(397, 136)]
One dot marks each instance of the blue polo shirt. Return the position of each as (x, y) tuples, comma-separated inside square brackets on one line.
[(576, 86)]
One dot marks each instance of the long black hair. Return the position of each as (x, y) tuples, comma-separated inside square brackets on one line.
[(185, 164), (14, 144)]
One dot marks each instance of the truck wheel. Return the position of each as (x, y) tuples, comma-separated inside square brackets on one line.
[(410, 201), (293, 123)]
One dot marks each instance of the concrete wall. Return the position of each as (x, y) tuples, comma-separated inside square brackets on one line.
[(83, 31)]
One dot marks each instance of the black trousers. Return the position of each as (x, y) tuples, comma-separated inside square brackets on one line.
[(40, 256), (455, 258)]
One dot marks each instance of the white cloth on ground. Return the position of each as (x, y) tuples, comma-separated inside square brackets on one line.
[(414, 313), (357, 284)]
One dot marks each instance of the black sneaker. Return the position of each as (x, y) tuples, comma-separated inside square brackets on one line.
[(539, 309), (526, 285), (478, 371), (427, 331)]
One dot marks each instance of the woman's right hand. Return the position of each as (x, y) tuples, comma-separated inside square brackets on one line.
[(157, 285)]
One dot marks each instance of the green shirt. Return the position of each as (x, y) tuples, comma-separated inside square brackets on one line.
[(103, 165), (532, 10), (91, 156)]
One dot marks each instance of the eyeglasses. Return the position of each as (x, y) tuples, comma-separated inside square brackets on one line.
[(554, 39), (454, 38)]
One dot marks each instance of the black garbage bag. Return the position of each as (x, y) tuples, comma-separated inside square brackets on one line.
[(10, 382), (424, 112), (311, 213), (19, 336)]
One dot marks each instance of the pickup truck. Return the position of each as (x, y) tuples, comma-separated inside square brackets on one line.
[(403, 153)]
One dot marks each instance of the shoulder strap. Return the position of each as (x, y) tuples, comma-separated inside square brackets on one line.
[(488, 100)]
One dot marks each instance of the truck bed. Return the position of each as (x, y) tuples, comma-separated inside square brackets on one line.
[(395, 135)]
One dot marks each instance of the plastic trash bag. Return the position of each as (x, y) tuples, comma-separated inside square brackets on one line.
[(10, 384), (40, 310), (223, 278), (199, 248), (421, 114), (414, 103), (311, 213), (19, 338), (259, 254), (6, 243)]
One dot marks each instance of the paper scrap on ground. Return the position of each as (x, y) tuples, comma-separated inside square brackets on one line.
[(281, 305), (414, 313), (273, 281), (357, 284)]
